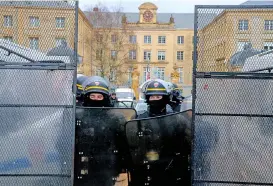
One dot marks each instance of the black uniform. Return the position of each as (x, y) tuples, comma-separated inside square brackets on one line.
[(101, 139), (162, 153), (164, 135), (100, 136)]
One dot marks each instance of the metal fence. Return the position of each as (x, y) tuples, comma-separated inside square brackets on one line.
[(232, 95), (37, 103)]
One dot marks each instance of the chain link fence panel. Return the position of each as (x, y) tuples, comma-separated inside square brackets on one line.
[(38, 64), (232, 100)]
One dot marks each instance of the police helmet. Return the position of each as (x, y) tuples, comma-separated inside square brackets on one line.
[(176, 92), (156, 88), (80, 81), (96, 84)]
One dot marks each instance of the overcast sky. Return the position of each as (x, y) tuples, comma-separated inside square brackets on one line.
[(167, 6)]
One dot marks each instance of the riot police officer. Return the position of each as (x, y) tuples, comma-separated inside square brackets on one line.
[(157, 98), (114, 99), (79, 93), (176, 98), (96, 92), (99, 137)]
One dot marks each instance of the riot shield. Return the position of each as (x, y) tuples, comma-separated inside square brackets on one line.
[(101, 152), (160, 149)]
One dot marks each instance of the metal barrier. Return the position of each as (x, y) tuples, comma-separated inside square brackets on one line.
[(37, 91), (232, 103)]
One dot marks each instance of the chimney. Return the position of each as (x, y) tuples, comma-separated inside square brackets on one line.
[(95, 9)]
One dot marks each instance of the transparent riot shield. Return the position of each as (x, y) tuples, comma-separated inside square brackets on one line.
[(101, 152), (160, 149)]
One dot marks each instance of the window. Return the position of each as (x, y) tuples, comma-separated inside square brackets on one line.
[(129, 71), (8, 38), (34, 21), (132, 54), (268, 45), (114, 54), (147, 55), (180, 71), (180, 40), (268, 24), (243, 25), (132, 39), (161, 55), (114, 38), (34, 43), (112, 75), (59, 41), (147, 39), (146, 73), (161, 39), (60, 22), (98, 72), (98, 54), (240, 45), (99, 38), (180, 55), (8, 21), (160, 73)]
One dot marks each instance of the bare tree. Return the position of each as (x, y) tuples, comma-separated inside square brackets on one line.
[(112, 41)]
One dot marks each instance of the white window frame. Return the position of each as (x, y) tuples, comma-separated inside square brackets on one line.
[(147, 55), (132, 54), (180, 71), (180, 55), (34, 21), (268, 24), (114, 54), (59, 40), (60, 22), (113, 75), (268, 45), (147, 39), (130, 71), (133, 39), (161, 55), (146, 71), (98, 72), (8, 21), (34, 43), (160, 73), (243, 25), (114, 38), (161, 39), (180, 40)]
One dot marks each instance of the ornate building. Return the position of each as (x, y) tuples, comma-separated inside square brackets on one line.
[(164, 40)]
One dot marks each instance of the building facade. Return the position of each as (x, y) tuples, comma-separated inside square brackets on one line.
[(163, 40), (229, 33), (44, 25)]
